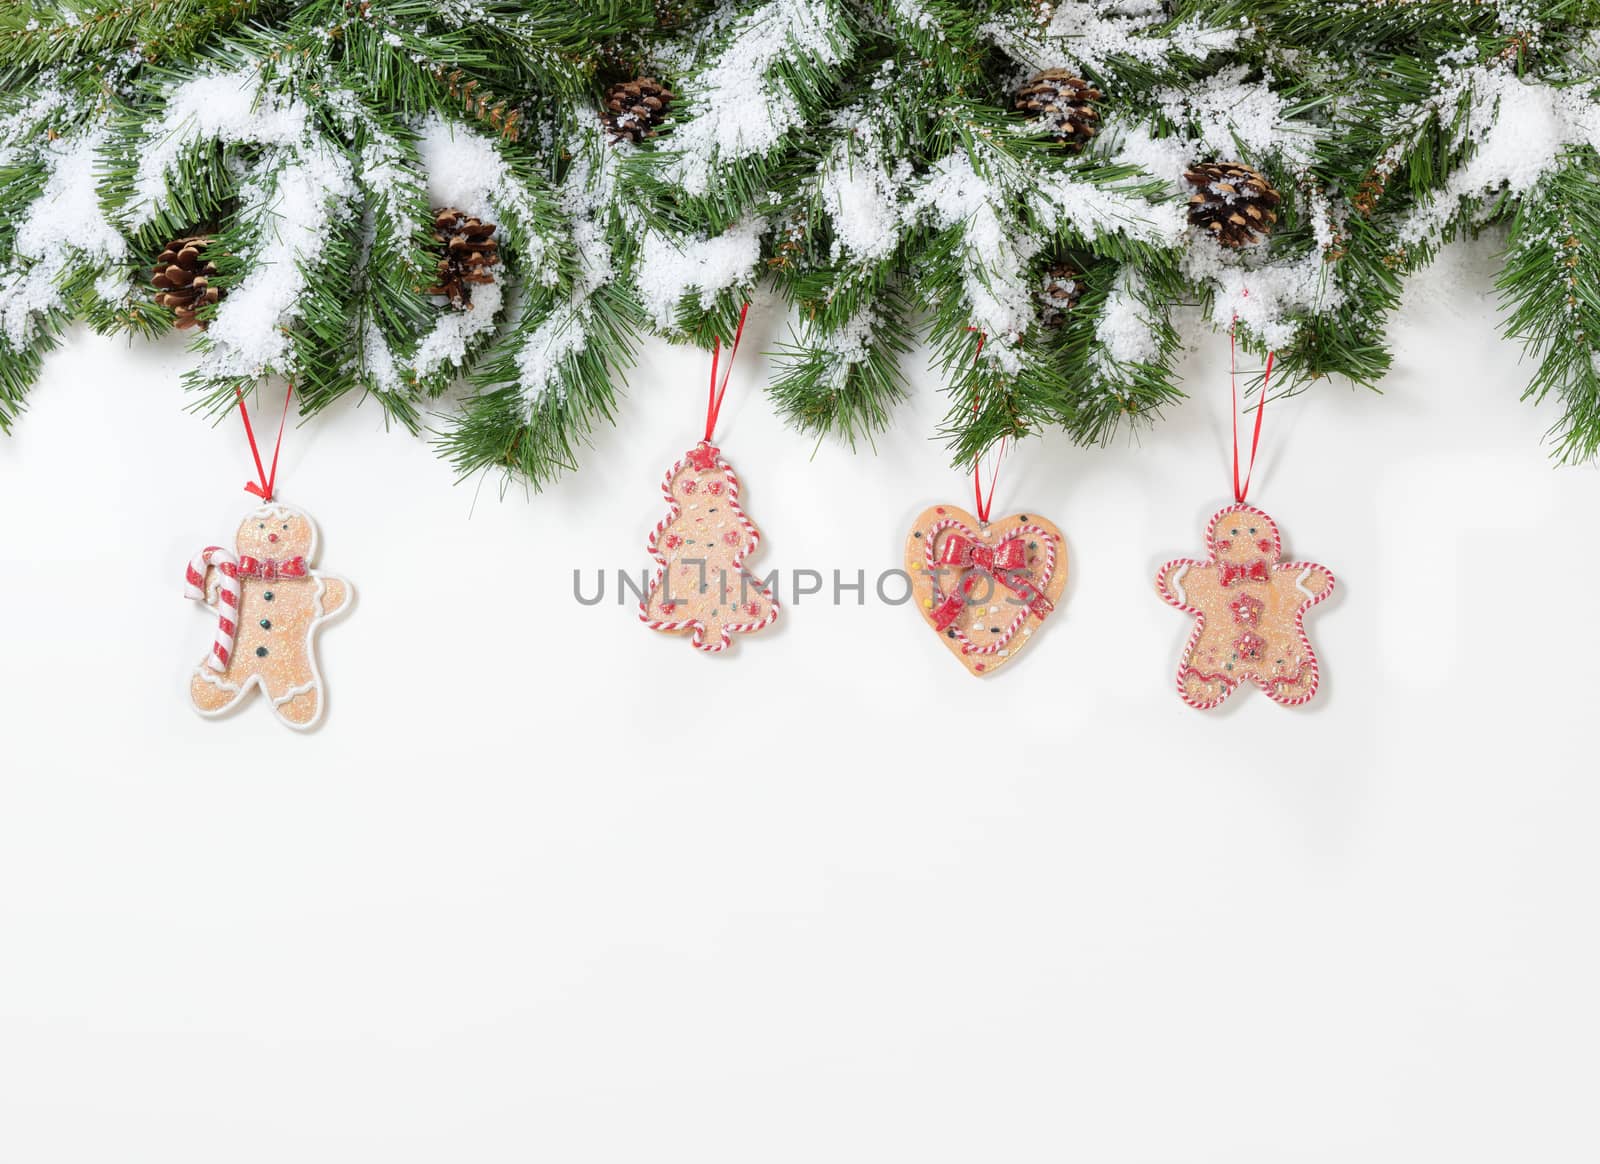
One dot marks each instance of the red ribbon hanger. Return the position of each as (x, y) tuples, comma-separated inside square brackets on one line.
[(718, 391), (1240, 490), (984, 504), (267, 479)]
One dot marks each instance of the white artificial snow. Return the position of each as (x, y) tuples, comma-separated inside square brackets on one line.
[(23, 129), (916, 15), (551, 344), (996, 253), (1262, 297), (1233, 116), (463, 167), (1519, 132), (293, 195), (227, 107), (862, 203), (668, 270), (851, 343), (741, 108), (1085, 37), (456, 333), (1095, 211), (1160, 157), (378, 360), (61, 229), (585, 197), (465, 170), (296, 207), (1123, 330)]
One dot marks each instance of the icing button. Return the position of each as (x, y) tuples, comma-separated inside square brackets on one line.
[(266, 624), (261, 652)]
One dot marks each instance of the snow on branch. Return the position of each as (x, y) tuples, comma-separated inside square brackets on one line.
[(62, 230), (1517, 132), (748, 97), (670, 269)]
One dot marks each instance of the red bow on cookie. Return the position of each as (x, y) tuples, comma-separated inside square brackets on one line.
[(271, 569), (1006, 563), (1231, 572)]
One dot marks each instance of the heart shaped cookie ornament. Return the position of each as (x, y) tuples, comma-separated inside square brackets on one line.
[(985, 587)]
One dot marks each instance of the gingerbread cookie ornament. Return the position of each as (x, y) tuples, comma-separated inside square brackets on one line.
[(701, 587), (1249, 610), (1249, 605), (269, 603), (983, 586)]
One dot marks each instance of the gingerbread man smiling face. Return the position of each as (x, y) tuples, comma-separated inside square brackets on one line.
[(1250, 609)]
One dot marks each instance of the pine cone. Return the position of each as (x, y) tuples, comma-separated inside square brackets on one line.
[(467, 249), (1233, 202), (635, 109), (1058, 294), (182, 279), (1064, 103)]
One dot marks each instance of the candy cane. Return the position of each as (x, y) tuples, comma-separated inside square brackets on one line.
[(227, 599)]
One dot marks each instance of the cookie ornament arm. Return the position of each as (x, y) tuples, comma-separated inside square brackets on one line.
[(1170, 582), (335, 593), (1306, 583)]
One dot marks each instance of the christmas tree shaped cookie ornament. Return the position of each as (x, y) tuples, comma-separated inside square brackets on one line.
[(1248, 604), (701, 587), (268, 603), (985, 586)]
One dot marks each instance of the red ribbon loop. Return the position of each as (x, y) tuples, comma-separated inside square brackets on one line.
[(984, 504), (268, 480), (1241, 490), (714, 404)]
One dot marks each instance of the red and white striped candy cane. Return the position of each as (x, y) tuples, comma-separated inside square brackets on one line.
[(227, 599)]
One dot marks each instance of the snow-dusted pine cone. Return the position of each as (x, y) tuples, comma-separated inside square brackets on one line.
[(182, 278), (1064, 103), (634, 110), (1059, 289), (1235, 203), (467, 249)]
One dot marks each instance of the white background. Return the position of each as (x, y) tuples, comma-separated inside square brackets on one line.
[(547, 887)]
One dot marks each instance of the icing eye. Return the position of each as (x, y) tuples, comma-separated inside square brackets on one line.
[(1235, 532), (1252, 528), (261, 525), (286, 526)]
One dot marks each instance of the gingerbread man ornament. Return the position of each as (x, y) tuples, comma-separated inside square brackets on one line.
[(1250, 610), (269, 603)]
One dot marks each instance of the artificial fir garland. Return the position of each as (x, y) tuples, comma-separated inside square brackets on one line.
[(1059, 177)]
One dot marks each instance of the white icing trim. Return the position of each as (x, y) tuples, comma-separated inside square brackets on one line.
[(215, 679), (1175, 581), (293, 691), (1300, 583)]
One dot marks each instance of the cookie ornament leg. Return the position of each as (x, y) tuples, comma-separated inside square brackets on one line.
[(701, 587), (267, 602)]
